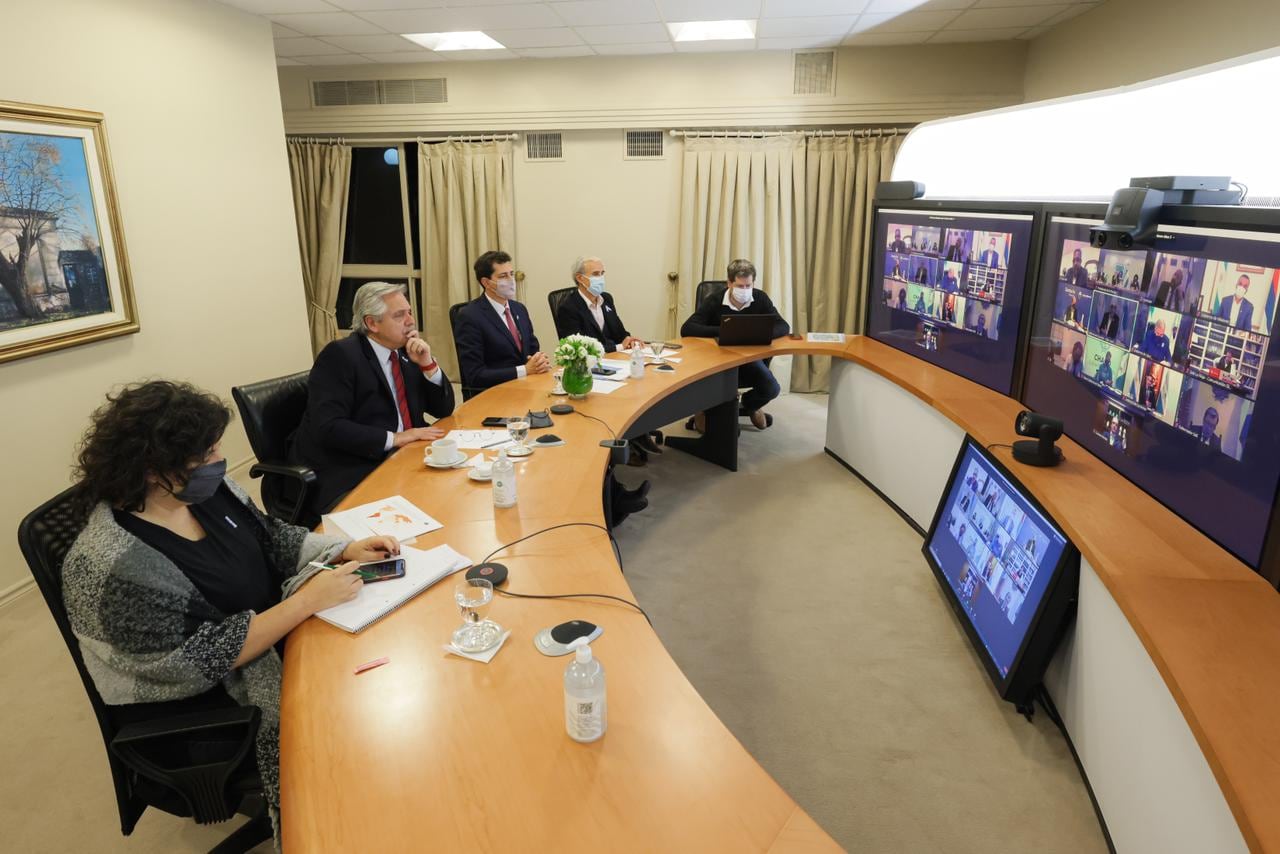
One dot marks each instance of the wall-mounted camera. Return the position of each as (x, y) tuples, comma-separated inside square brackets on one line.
[(1046, 430), (1134, 211)]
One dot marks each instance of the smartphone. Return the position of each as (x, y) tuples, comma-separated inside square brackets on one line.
[(382, 570), (672, 346), (495, 421)]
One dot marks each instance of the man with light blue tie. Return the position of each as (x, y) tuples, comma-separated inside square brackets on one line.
[(990, 257), (1237, 310)]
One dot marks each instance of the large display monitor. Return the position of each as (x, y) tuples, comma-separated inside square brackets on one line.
[(1158, 361), (1007, 568), (947, 283)]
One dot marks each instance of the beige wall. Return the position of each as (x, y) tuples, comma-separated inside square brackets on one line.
[(1128, 41), (189, 92)]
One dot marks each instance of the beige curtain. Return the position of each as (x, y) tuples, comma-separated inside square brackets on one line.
[(466, 204), (321, 175), (841, 174), (740, 198)]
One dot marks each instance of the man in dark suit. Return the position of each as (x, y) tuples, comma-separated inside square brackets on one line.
[(1206, 432), (1237, 310), (1076, 274), (898, 244), (591, 311), (1172, 294), (1109, 324), (366, 395), (990, 256), (742, 297), (494, 333)]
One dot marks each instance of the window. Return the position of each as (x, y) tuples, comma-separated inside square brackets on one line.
[(382, 224)]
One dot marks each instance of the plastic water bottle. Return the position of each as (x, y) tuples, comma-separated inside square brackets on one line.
[(504, 481), (637, 363), (585, 713)]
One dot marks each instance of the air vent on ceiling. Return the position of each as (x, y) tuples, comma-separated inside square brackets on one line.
[(814, 72), (644, 145), (544, 146), (366, 93)]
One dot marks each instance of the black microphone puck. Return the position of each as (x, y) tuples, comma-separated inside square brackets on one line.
[(561, 409), (494, 573)]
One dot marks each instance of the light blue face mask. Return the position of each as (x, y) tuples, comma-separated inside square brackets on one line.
[(595, 284)]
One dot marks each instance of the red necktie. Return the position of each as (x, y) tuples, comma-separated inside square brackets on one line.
[(511, 327), (401, 400)]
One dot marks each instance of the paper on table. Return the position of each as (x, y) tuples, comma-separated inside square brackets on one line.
[(393, 517), (374, 601), (676, 359), (483, 657), (601, 386), (825, 337), (474, 440)]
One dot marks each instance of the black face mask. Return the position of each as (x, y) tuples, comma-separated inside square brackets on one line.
[(202, 482)]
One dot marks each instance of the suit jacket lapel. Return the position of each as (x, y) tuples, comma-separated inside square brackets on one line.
[(380, 376), (499, 323)]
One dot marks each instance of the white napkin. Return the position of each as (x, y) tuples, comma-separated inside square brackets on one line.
[(483, 657)]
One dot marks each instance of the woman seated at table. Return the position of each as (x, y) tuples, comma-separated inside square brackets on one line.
[(179, 588)]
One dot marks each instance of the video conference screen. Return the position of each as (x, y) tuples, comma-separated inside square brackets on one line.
[(948, 288), (998, 553), (1158, 361)]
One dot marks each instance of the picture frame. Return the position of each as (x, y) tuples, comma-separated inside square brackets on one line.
[(64, 271)]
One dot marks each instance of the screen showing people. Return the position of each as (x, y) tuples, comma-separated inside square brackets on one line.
[(1155, 358), (952, 288), (997, 551)]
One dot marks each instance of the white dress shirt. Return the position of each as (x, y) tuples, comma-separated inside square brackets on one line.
[(729, 301), (502, 315), (596, 308), (383, 356), (1235, 311)]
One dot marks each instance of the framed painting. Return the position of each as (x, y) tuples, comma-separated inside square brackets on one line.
[(64, 274)]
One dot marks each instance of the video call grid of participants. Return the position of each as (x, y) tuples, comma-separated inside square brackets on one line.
[(1003, 546), (953, 275), (1184, 341)]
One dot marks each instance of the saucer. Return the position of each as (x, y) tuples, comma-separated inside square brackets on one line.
[(475, 474), (560, 393), (519, 451), (462, 458)]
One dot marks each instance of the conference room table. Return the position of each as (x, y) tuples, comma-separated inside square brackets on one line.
[(432, 751)]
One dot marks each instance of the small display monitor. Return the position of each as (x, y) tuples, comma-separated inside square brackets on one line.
[(1158, 360), (947, 286), (1008, 570)]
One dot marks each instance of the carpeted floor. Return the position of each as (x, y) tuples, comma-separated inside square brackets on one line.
[(798, 604)]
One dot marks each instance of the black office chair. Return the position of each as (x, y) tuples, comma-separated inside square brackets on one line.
[(555, 299), (212, 788), (706, 289), (271, 410), (454, 311)]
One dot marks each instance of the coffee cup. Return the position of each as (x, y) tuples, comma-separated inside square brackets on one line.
[(443, 452)]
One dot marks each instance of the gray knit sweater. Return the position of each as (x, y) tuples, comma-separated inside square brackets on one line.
[(147, 635)]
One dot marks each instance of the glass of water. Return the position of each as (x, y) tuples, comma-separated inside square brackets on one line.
[(656, 348), (476, 634), (519, 431)]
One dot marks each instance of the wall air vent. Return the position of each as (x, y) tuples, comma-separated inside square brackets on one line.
[(372, 93), (644, 144), (544, 146), (813, 72)]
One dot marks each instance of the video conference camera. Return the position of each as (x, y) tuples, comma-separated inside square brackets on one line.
[(1134, 211), (1042, 451)]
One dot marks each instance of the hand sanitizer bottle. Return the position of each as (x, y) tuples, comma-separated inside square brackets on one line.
[(637, 363), (585, 716), (504, 481)]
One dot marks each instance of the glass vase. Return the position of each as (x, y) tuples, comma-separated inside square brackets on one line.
[(576, 380)]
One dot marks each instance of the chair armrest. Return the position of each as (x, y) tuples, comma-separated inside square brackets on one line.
[(302, 474), (195, 755)]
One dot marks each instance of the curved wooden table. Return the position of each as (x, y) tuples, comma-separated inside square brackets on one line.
[(433, 751)]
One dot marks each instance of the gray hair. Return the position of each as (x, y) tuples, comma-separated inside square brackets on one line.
[(369, 302), (580, 263)]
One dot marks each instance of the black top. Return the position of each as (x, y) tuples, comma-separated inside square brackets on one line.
[(228, 566), (575, 318), (705, 321)]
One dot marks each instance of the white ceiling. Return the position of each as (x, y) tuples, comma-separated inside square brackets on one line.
[(361, 32)]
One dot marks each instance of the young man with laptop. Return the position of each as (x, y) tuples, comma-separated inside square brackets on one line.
[(743, 314)]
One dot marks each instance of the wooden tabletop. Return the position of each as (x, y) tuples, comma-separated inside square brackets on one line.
[(437, 751)]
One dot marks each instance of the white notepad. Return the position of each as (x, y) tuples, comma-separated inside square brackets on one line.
[(396, 517), (421, 570)]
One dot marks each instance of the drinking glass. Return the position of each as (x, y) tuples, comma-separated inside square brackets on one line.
[(519, 431), (476, 634), (656, 348)]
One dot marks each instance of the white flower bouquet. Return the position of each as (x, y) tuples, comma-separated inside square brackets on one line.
[(578, 350)]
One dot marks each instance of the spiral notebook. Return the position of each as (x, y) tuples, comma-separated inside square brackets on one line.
[(421, 570)]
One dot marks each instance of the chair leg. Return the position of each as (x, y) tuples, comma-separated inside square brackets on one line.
[(248, 836)]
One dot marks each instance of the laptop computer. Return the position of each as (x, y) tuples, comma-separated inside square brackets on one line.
[(739, 329)]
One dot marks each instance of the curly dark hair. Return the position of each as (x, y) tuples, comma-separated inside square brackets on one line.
[(159, 427)]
